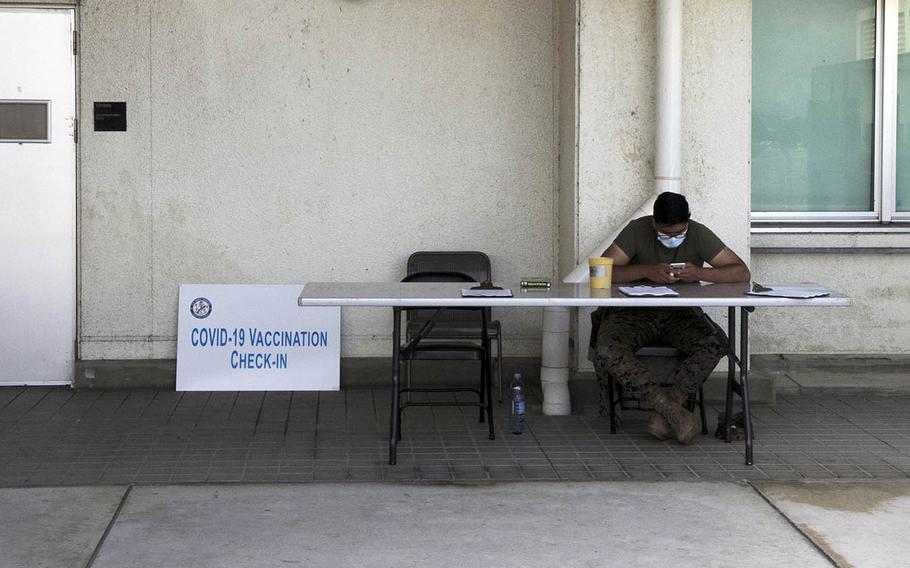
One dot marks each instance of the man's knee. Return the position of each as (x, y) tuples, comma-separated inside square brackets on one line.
[(612, 347), (715, 346), (709, 349), (607, 360)]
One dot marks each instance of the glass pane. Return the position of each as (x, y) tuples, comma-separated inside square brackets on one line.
[(813, 105), (903, 107), (23, 121)]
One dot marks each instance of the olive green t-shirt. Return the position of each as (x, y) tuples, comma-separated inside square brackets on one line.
[(639, 241)]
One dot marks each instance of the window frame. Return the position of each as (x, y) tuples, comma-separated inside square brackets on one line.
[(884, 183)]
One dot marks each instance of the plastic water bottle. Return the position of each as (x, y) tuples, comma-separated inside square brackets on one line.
[(517, 411)]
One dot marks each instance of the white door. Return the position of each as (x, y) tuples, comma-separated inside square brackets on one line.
[(37, 196)]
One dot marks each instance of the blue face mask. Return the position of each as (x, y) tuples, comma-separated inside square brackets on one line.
[(671, 241)]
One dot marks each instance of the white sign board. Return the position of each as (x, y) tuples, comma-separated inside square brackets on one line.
[(255, 338)]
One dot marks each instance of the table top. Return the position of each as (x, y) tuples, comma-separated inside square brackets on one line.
[(426, 294)]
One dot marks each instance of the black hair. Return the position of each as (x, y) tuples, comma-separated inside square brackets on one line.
[(670, 209)]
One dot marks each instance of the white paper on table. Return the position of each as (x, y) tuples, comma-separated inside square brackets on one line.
[(485, 293), (647, 291), (790, 292)]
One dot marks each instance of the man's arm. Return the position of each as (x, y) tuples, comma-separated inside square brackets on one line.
[(725, 267), (623, 272)]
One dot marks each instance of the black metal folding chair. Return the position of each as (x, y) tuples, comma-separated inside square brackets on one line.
[(454, 325), (429, 336)]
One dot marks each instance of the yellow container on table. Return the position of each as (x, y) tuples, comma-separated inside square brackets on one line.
[(601, 272), (600, 293)]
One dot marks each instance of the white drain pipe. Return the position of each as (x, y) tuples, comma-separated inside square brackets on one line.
[(668, 135), (554, 371), (554, 362)]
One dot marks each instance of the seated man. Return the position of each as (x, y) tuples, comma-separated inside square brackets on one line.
[(643, 251)]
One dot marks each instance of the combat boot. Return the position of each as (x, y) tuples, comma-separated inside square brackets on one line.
[(659, 427), (682, 422)]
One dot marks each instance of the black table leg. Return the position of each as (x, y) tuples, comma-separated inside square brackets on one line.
[(744, 378), (486, 372), (396, 391), (731, 373), (484, 368)]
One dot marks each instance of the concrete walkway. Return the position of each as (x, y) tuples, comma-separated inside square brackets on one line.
[(804, 524), (370, 524), (855, 523)]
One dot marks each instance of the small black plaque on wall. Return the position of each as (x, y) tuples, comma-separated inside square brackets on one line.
[(110, 117)]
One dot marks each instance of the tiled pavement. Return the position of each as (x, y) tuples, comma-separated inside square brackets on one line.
[(57, 436)]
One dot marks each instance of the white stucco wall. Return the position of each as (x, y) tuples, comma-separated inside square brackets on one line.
[(617, 115), (277, 142), (567, 98), (877, 322), (281, 142)]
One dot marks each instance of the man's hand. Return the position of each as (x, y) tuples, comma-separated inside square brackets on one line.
[(660, 273), (689, 273)]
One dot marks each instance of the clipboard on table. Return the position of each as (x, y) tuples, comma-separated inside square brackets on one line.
[(486, 290)]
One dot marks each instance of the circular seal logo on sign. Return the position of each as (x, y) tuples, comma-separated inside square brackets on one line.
[(200, 308)]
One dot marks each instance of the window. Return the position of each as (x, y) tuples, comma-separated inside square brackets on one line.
[(902, 158), (24, 121), (830, 129)]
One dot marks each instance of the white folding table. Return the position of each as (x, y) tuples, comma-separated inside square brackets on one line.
[(445, 294)]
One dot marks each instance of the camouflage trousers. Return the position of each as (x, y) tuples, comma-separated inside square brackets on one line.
[(623, 331)]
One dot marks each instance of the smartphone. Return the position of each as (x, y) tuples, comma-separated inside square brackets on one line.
[(676, 266)]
